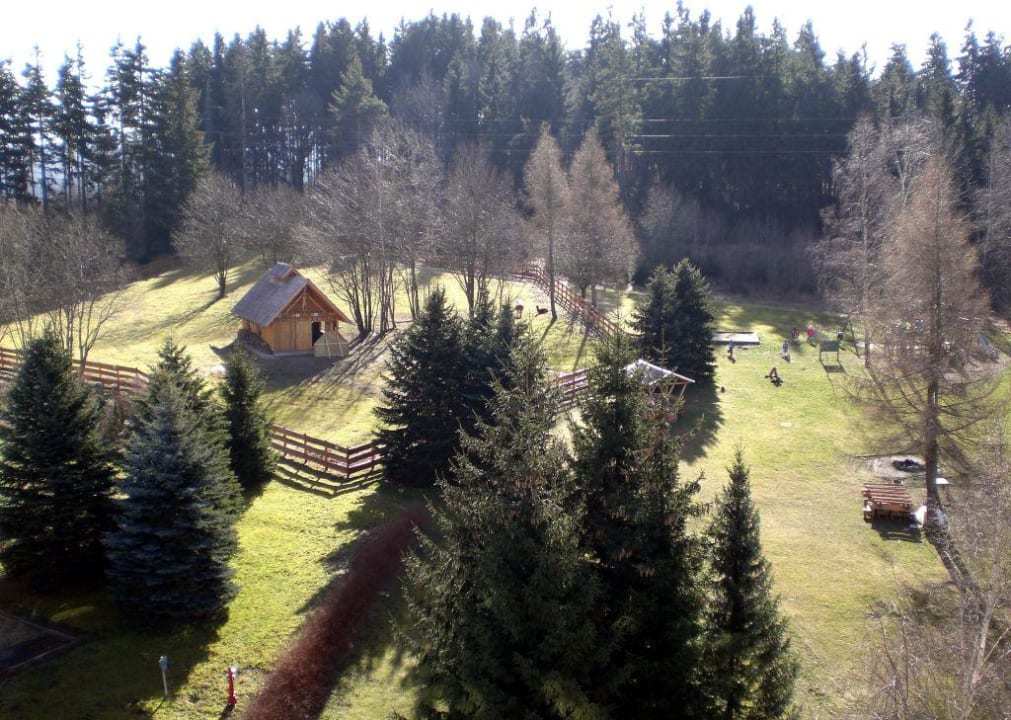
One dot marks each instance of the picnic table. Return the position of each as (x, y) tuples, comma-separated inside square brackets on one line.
[(887, 500)]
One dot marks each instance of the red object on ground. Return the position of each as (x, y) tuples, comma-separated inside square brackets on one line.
[(231, 687)]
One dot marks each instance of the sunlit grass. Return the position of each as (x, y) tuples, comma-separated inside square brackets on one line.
[(801, 440)]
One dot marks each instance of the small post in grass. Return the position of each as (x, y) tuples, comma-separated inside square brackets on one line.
[(163, 664)]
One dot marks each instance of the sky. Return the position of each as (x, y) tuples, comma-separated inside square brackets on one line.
[(57, 26)]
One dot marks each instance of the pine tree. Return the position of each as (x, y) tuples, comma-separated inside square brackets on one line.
[(489, 338), (749, 667), (652, 317), (693, 323), (248, 426), (56, 474), (169, 556), (175, 367), (636, 512), (422, 407), (14, 138), (501, 597), (39, 111)]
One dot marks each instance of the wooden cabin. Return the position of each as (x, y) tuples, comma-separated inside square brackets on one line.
[(291, 315)]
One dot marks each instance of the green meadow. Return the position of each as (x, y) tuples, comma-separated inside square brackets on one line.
[(806, 442)]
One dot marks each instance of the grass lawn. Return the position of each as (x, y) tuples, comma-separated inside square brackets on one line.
[(801, 441)]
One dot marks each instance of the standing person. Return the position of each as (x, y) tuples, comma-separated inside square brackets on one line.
[(811, 332), (730, 350)]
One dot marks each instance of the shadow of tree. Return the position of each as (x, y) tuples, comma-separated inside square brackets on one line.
[(119, 659), (701, 417)]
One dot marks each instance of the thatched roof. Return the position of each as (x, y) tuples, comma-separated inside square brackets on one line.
[(652, 374), (275, 291)]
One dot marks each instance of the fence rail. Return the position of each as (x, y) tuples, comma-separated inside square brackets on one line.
[(573, 302), (114, 378), (343, 463), (335, 461), (571, 384)]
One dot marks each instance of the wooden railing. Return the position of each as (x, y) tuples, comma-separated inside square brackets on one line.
[(344, 463), (113, 378), (571, 384), (572, 301), (336, 461)]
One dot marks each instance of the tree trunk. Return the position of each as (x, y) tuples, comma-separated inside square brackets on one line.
[(551, 274)]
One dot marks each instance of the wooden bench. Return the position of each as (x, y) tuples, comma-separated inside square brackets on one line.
[(887, 500)]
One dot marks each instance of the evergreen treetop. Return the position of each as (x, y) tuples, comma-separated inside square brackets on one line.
[(56, 472), (635, 516), (169, 555), (248, 427), (501, 596), (750, 668), (423, 408)]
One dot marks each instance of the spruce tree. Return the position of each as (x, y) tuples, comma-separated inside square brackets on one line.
[(423, 407), (675, 322), (489, 339), (652, 318), (168, 557), (247, 424), (56, 472), (750, 670), (636, 512), (502, 598), (693, 324), (175, 369)]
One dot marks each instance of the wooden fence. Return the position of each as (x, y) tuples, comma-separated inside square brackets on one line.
[(571, 384), (343, 463), (113, 378), (336, 461), (572, 301)]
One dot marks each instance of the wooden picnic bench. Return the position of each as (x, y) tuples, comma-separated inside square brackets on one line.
[(887, 500)]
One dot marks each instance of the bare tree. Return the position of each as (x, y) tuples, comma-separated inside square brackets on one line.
[(855, 227), (212, 230), (946, 652), (345, 224), (992, 215), (20, 277), (83, 280), (271, 223), (413, 177), (421, 105), (930, 375), (600, 246), (480, 237), (548, 196), (58, 270)]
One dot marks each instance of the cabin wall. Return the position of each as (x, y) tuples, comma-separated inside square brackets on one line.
[(289, 335)]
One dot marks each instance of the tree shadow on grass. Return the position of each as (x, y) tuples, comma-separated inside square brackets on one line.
[(119, 659), (700, 420)]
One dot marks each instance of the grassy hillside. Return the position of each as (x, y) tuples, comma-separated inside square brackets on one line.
[(802, 441)]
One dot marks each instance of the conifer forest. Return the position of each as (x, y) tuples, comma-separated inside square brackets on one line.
[(734, 130)]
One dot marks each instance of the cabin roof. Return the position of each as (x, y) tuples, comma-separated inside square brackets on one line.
[(275, 291)]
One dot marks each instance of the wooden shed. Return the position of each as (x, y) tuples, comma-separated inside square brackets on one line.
[(291, 315)]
